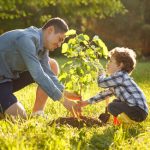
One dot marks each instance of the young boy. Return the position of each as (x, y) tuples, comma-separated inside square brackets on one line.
[(129, 97)]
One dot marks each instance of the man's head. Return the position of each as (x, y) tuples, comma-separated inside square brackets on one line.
[(54, 33), (121, 59)]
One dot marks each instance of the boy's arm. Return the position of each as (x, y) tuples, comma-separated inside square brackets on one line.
[(97, 98), (111, 81), (100, 96)]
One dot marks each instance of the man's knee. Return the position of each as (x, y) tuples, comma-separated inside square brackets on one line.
[(54, 66), (16, 110)]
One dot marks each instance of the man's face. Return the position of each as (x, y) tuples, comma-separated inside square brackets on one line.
[(53, 40)]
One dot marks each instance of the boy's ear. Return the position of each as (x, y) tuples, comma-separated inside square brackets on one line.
[(121, 65)]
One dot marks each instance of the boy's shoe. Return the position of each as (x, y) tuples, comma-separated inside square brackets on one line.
[(116, 122), (120, 119), (123, 118)]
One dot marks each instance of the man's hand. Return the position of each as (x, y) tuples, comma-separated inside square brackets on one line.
[(72, 96), (82, 103), (73, 107)]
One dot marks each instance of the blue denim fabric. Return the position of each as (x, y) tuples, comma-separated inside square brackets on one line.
[(22, 50)]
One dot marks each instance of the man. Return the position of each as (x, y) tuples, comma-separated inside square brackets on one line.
[(24, 60), (41, 96)]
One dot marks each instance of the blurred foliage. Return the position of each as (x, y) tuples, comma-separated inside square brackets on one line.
[(119, 22), (20, 13), (131, 29)]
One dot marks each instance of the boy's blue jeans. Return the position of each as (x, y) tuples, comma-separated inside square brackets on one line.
[(133, 112)]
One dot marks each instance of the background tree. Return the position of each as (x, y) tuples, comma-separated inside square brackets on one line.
[(20, 13), (131, 29), (105, 18)]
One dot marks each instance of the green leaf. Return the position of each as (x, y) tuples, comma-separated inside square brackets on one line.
[(81, 54), (79, 71), (86, 37), (69, 85), (96, 37), (64, 48), (71, 71), (70, 32), (72, 41), (80, 37), (63, 76), (105, 52), (102, 45)]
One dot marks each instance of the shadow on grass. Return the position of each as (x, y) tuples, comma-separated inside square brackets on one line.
[(113, 136), (102, 141)]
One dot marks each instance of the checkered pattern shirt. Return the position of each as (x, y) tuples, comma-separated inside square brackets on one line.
[(123, 87)]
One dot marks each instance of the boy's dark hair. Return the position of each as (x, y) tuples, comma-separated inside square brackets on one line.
[(125, 56), (59, 25)]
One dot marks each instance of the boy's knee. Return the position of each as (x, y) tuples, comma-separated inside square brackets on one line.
[(111, 109)]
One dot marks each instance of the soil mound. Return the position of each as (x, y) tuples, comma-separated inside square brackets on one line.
[(76, 122)]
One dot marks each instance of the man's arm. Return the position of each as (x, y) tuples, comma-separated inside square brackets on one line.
[(27, 49), (47, 69)]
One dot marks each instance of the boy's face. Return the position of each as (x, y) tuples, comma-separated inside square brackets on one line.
[(112, 66), (53, 40)]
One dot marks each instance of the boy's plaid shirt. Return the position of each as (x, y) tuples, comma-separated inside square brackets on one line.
[(123, 87)]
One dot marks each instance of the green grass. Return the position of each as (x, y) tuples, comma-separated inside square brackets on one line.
[(36, 134)]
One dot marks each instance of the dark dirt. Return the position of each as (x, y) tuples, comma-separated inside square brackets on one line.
[(104, 117), (75, 122)]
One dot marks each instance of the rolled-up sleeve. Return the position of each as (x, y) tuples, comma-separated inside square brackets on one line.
[(27, 50), (47, 69)]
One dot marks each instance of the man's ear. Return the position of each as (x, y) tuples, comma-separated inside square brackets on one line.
[(50, 29)]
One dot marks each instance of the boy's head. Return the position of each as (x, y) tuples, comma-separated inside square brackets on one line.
[(54, 33), (121, 59)]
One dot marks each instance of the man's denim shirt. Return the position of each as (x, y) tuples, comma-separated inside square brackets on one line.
[(22, 50)]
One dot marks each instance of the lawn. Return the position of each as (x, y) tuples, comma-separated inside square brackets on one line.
[(35, 133)]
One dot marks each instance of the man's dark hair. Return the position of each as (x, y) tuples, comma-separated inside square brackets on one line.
[(59, 25)]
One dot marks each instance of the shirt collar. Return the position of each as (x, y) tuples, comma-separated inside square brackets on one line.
[(41, 47)]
